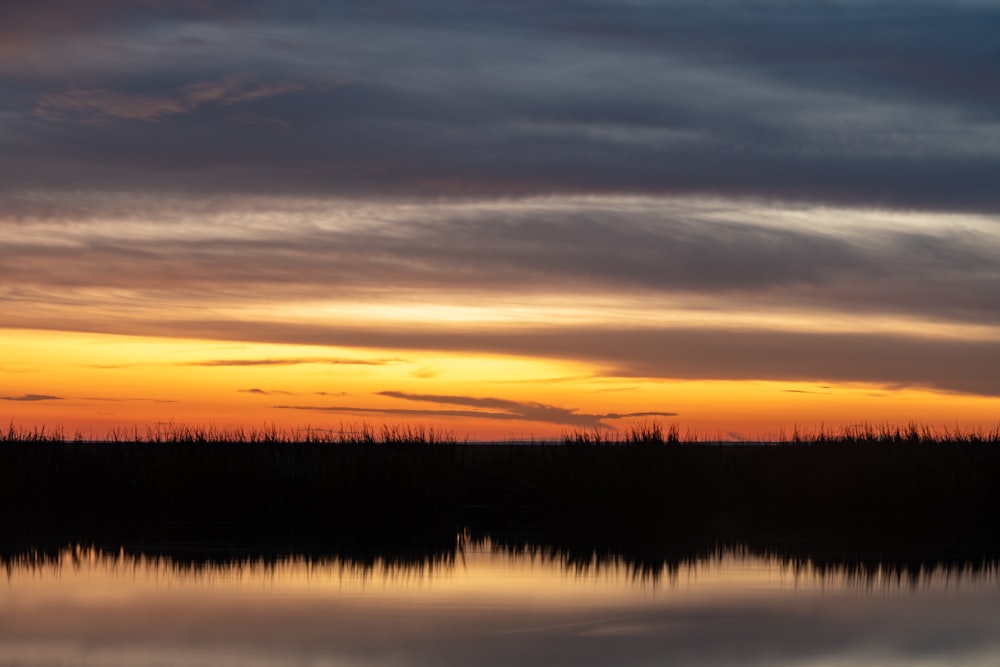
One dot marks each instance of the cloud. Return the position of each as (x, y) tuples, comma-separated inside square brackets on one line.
[(631, 415), (404, 412), (37, 18), (262, 392), (763, 171), (126, 400), (34, 32), (234, 89), (704, 253), (486, 408), (294, 362), (634, 286), (950, 364), (31, 398), (776, 100)]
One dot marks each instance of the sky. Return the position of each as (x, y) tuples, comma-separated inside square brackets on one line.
[(500, 219)]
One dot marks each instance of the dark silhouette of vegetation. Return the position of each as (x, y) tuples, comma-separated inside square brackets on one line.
[(857, 499)]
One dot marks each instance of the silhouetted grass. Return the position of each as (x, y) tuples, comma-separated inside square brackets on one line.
[(178, 433), (874, 493), (649, 432), (654, 433)]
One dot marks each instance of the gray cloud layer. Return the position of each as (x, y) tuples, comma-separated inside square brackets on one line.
[(721, 256), (709, 257), (878, 103), (179, 105)]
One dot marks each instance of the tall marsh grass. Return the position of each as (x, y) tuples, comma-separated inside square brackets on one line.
[(363, 433), (655, 433), (859, 485), (643, 433)]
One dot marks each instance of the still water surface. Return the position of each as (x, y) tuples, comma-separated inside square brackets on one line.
[(485, 607)]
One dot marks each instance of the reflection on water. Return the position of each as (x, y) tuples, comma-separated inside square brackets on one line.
[(487, 604)]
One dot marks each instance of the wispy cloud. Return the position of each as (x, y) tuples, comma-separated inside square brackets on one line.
[(487, 408), (31, 398), (947, 363), (41, 20), (287, 361), (129, 400), (96, 103), (297, 361), (262, 392), (405, 412), (7, 369), (632, 415), (718, 255)]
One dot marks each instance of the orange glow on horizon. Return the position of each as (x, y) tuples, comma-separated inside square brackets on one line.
[(93, 383)]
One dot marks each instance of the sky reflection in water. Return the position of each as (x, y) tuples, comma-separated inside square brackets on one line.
[(488, 608)]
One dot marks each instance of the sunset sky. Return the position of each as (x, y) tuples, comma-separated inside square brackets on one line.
[(502, 218)]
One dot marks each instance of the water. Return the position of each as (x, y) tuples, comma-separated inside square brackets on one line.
[(481, 606)]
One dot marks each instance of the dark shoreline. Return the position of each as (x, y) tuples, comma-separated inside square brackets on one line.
[(905, 505)]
